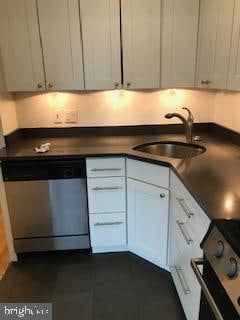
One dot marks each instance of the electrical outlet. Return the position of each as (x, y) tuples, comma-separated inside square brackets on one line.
[(71, 116), (57, 116)]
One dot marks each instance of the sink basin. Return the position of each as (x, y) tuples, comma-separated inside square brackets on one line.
[(171, 149)]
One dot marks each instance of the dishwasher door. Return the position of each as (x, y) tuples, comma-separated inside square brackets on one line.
[(48, 214)]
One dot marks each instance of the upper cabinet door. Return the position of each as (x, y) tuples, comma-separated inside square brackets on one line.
[(101, 43), (179, 42), (234, 65), (20, 49), (62, 48), (141, 43), (215, 31)]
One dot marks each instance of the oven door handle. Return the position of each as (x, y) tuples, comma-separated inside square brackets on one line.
[(212, 304)]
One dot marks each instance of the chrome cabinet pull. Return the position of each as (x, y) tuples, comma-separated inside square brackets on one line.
[(182, 280), (107, 188), (128, 84), (39, 85), (116, 84), (105, 169), (186, 237), (185, 208), (114, 223), (206, 292), (50, 85), (206, 82)]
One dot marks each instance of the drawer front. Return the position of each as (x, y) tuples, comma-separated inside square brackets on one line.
[(194, 218), (188, 289), (183, 232), (149, 173), (107, 195), (105, 167), (190, 300), (108, 229), (190, 212)]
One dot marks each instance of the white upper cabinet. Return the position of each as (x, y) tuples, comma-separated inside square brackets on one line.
[(20, 52), (215, 32), (234, 65), (62, 48), (101, 43), (141, 43), (179, 42)]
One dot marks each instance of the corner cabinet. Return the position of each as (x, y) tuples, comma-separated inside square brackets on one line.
[(61, 41), (141, 36), (101, 43), (20, 49), (215, 32), (148, 211), (179, 43)]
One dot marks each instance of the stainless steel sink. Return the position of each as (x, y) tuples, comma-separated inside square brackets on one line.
[(171, 149)]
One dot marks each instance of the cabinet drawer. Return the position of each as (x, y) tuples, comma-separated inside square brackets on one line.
[(190, 212), (192, 215), (183, 233), (108, 229), (188, 289), (105, 167), (148, 173), (107, 195), (190, 300)]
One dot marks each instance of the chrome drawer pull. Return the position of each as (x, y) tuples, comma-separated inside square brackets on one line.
[(186, 237), (106, 169), (115, 223), (182, 280), (185, 208), (107, 188), (206, 292)]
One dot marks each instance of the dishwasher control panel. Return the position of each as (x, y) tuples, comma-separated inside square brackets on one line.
[(43, 170)]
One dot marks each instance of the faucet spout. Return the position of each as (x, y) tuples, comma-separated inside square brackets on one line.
[(188, 123)]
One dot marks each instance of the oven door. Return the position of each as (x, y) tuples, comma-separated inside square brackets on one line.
[(215, 303)]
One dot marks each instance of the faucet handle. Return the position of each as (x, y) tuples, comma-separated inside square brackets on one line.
[(190, 115)]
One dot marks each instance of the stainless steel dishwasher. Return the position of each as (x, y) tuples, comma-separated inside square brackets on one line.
[(47, 202)]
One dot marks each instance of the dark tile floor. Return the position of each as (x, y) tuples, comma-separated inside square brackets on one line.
[(118, 286)]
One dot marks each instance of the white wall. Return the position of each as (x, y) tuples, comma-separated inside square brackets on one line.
[(117, 107), (8, 113), (227, 110)]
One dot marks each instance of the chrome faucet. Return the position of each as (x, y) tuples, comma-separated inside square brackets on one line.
[(188, 123)]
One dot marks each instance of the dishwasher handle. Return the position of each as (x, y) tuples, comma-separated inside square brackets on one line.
[(194, 264)]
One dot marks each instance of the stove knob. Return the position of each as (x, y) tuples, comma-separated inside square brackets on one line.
[(233, 268), (220, 249)]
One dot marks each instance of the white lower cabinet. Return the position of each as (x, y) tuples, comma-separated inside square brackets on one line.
[(188, 225), (107, 195), (148, 221), (107, 231), (185, 282), (168, 236), (106, 185)]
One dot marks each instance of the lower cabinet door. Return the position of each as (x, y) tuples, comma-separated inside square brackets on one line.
[(148, 221), (108, 229)]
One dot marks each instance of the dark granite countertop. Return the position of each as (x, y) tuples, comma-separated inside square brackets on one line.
[(213, 178)]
